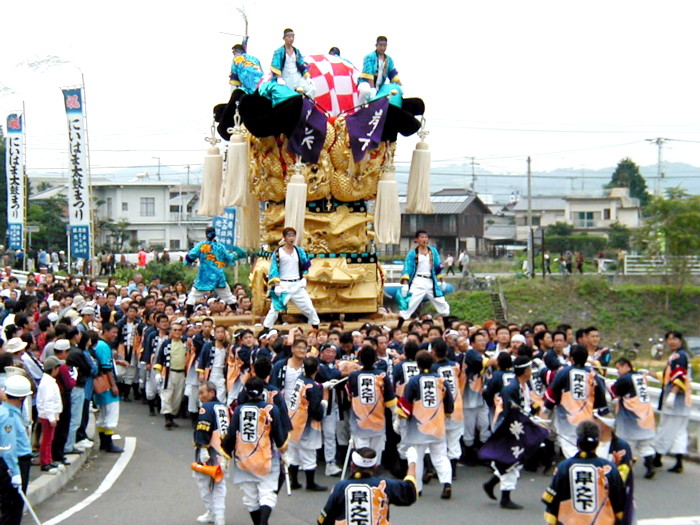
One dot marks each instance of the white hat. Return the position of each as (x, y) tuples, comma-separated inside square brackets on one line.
[(452, 332), (88, 310), (356, 332), (53, 317), (78, 302), (519, 338), (266, 335), (54, 304), (18, 386), (15, 345), (15, 371), (61, 345)]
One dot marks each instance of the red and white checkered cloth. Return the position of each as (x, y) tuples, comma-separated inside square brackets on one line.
[(336, 83), (335, 80)]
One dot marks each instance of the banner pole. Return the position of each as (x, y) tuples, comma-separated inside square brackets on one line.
[(89, 184), (25, 185)]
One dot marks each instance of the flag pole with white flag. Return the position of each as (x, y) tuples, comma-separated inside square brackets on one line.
[(79, 203)]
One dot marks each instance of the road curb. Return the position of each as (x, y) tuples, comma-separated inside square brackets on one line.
[(46, 485)]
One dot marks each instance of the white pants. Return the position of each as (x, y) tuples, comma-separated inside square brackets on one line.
[(672, 435), (509, 478), (295, 81), (107, 418), (420, 288), (342, 429), (305, 458), (222, 293), (438, 455), (300, 297), (142, 375), (171, 396), (454, 450), (476, 419), (151, 385), (566, 442), (328, 425), (367, 92), (217, 377), (192, 393), (213, 494), (376, 443), (641, 447), (257, 494)]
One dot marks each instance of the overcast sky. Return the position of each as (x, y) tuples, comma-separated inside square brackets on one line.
[(573, 84)]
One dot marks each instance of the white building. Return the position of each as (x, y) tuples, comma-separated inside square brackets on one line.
[(160, 214), (594, 215)]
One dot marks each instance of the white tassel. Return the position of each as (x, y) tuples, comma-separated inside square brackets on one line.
[(295, 204), (418, 194), (249, 224), (387, 213), (236, 187), (210, 195)]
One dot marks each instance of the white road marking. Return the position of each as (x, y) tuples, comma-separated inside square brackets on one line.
[(112, 476), (686, 520)]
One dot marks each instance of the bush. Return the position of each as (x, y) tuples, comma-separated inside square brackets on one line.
[(590, 245)]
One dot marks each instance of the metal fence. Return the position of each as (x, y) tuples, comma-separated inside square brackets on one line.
[(660, 265)]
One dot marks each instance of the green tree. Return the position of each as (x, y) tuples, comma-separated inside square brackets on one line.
[(49, 215), (672, 228), (562, 229), (619, 236), (118, 233), (627, 175)]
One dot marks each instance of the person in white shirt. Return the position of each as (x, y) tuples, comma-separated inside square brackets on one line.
[(422, 277), (288, 266), (49, 407), (288, 67)]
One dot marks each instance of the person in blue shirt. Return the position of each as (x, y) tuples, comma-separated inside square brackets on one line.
[(15, 450), (288, 67), (286, 280), (245, 70), (366, 497), (377, 70), (213, 258), (422, 276), (108, 401)]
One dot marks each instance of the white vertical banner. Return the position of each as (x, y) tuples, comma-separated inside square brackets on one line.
[(79, 218), (16, 189)]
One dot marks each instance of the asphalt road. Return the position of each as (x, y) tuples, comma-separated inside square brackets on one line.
[(156, 487)]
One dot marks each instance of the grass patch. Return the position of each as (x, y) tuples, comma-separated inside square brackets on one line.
[(626, 313)]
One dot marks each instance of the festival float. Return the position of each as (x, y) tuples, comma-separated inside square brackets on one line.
[(324, 166)]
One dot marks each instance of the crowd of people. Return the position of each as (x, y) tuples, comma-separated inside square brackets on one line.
[(415, 399)]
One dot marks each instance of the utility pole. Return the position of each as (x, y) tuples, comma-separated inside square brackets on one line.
[(158, 167), (530, 251), (659, 141), (473, 186), (188, 174)]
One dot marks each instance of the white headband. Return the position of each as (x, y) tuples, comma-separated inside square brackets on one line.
[(363, 462), (524, 365)]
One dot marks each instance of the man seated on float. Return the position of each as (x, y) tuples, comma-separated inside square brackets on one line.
[(378, 70), (245, 70), (288, 67)]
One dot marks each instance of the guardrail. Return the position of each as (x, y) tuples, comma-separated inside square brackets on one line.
[(660, 265)]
